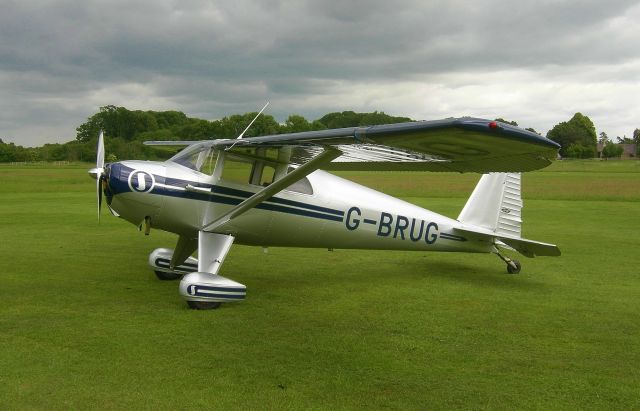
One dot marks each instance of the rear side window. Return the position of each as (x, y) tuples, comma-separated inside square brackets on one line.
[(237, 171), (267, 174), (301, 186)]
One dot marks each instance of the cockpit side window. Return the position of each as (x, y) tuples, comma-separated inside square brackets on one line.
[(199, 158), (240, 168), (207, 161)]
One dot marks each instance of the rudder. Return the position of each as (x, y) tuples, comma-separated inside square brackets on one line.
[(495, 204)]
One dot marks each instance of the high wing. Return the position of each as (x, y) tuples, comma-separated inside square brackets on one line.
[(463, 145)]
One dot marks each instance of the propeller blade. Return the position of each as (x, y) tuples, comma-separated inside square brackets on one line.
[(99, 188), (100, 170), (100, 153)]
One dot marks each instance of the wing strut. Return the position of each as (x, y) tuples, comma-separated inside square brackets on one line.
[(185, 247), (328, 155)]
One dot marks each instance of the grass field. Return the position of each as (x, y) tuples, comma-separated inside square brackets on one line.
[(84, 324)]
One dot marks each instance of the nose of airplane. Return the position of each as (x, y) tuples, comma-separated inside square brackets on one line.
[(131, 189), (136, 180), (106, 181), (133, 177)]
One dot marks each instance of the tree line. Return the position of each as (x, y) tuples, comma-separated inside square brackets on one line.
[(126, 130), (578, 139)]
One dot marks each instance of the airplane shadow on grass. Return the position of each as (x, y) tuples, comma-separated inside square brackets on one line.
[(482, 276), (404, 272)]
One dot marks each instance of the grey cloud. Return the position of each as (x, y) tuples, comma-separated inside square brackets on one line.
[(223, 57)]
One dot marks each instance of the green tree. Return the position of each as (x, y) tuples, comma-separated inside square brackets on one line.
[(604, 138), (11, 152), (578, 131), (577, 150), (89, 129), (317, 125), (296, 123), (340, 120), (353, 119), (53, 152), (167, 119), (120, 122), (513, 123), (193, 129), (125, 130), (379, 117), (574, 151), (624, 140), (611, 150), (263, 126), (160, 134), (6, 153)]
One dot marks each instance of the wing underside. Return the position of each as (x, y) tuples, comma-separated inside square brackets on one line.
[(461, 145)]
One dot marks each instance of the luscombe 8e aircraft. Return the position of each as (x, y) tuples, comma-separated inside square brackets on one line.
[(271, 191)]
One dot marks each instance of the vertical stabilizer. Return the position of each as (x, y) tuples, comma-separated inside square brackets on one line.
[(495, 204)]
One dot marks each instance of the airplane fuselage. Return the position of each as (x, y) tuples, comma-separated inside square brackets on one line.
[(330, 212)]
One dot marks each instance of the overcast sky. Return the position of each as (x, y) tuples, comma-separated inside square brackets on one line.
[(533, 62)]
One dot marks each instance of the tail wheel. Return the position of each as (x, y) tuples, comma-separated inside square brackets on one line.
[(513, 267)]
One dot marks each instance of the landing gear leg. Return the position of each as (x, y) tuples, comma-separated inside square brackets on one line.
[(205, 289), (513, 266)]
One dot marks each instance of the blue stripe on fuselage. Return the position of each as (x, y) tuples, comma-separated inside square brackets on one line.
[(119, 184)]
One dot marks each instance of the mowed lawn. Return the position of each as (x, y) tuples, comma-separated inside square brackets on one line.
[(84, 323)]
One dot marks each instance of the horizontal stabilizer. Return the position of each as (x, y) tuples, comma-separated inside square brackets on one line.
[(525, 247), (531, 248)]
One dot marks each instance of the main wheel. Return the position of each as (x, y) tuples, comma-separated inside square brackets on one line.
[(203, 305), (165, 276), (514, 270)]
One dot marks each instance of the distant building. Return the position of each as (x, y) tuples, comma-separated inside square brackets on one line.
[(629, 150)]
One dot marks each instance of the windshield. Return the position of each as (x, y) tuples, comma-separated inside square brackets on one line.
[(198, 157)]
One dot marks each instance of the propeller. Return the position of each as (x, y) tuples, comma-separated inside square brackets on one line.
[(98, 171)]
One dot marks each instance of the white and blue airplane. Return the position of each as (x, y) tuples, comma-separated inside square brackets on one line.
[(270, 191)]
